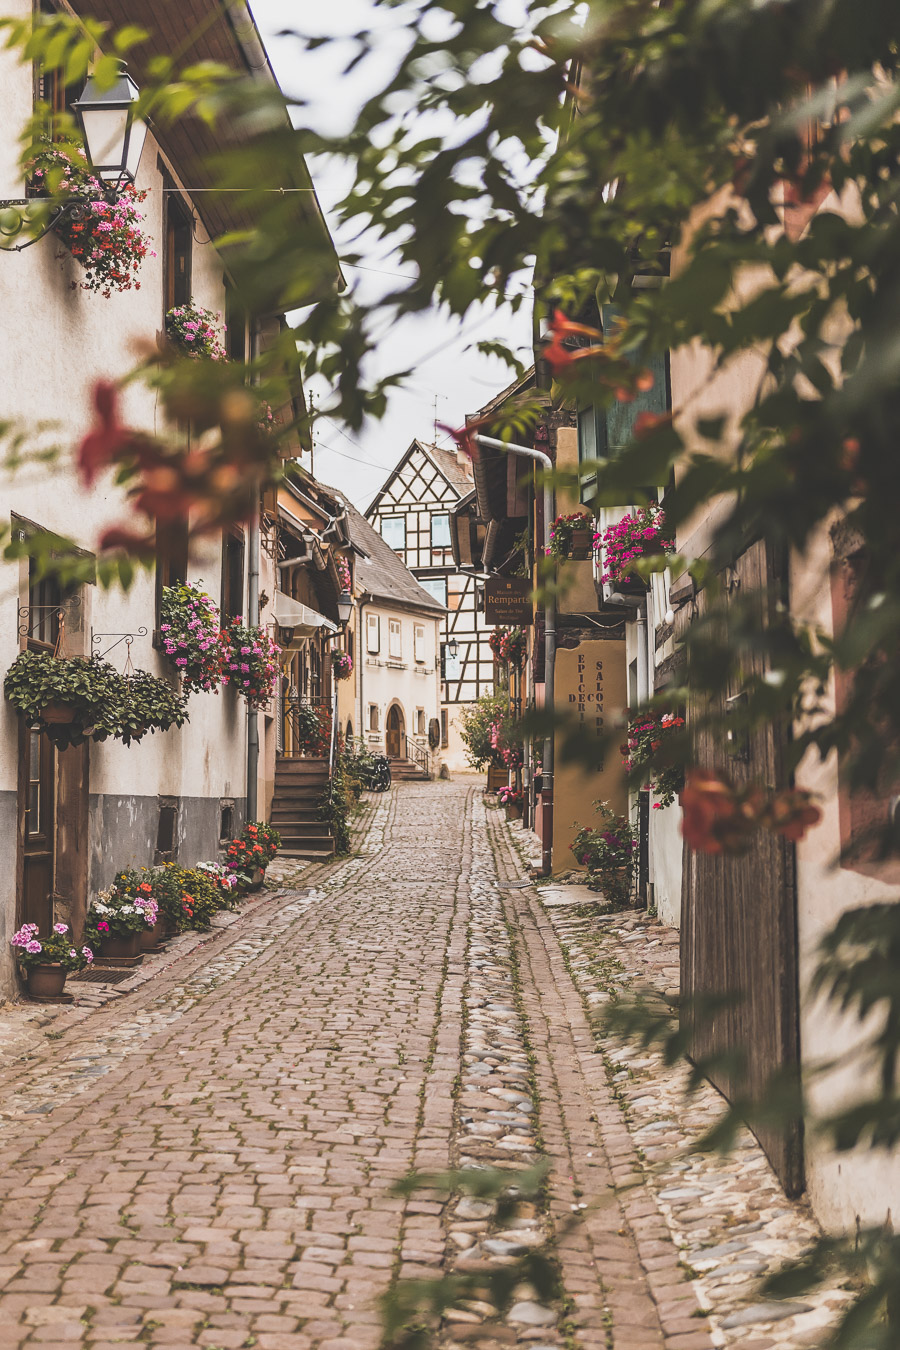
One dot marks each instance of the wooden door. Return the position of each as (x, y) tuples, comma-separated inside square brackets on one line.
[(394, 731), (39, 793), (739, 916)]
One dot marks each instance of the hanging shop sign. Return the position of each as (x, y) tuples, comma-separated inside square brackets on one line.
[(507, 600)]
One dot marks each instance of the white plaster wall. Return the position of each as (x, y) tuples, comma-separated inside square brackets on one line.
[(412, 686), (55, 343)]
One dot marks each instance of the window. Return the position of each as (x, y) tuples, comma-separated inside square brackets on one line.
[(177, 249), (373, 716), (226, 822), (445, 728), (50, 88), (452, 665), (232, 575), (435, 586), (393, 532), (395, 639), (373, 633), (171, 556), (420, 721), (44, 607), (166, 829), (440, 531), (419, 643)]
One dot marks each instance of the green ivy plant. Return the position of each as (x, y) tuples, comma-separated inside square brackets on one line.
[(104, 702)]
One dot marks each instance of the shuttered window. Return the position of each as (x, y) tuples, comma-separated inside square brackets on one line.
[(419, 643), (373, 633)]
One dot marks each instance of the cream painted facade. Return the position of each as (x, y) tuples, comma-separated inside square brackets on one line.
[(398, 675)]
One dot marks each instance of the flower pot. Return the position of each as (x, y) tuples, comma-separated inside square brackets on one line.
[(58, 712), (152, 937), (513, 810), (46, 981), (129, 945), (256, 879), (582, 544), (631, 584)]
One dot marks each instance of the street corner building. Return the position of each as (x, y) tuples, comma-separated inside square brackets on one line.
[(72, 817)]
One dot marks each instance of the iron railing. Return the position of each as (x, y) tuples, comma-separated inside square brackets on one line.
[(417, 752), (294, 723)]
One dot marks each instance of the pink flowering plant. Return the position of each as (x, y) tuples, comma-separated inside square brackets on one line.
[(130, 905), (637, 535), (191, 635), (57, 949), (225, 879), (251, 662), (343, 571), (105, 237), (341, 665), (650, 753), (609, 851), (195, 332), (509, 645), (508, 796), (562, 532)]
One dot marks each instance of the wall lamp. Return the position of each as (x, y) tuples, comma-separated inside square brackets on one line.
[(113, 141), (453, 649)]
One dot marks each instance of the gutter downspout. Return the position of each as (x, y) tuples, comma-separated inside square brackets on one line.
[(546, 462), (252, 714), (360, 639)]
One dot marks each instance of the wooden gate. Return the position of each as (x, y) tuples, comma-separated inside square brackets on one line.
[(739, 915)]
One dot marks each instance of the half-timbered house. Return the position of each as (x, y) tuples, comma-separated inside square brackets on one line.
[(412, 513)]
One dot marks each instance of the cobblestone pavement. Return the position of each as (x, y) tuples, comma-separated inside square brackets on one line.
[(211, 1159)]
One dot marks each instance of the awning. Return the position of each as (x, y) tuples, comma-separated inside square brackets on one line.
[(305, 622)]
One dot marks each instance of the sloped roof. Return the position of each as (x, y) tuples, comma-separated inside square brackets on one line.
[(226, 34), (380, 573), (444, 461)]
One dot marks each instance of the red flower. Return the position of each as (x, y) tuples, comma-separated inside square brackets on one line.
[(558, 356)]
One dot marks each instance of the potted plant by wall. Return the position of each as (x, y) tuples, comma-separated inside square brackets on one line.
[(251, 662), (118, 920), (609, 851), (640, 534), (571, 536), (341, 665), (250, 855), (225, 879), (194, 332), (105, 238), (47, 961), (312, 728), (513, 800), (190, 630), (71, 698)]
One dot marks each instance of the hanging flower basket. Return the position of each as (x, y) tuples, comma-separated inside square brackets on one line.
[(190, 631), (251, 662), (341, 665), (71, 698), (194, 332), (105, 238), (509, 645), (645, 752)]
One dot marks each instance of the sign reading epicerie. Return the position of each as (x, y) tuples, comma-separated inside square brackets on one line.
[(591, 693)]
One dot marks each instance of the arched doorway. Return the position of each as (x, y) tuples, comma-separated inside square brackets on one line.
[(394, 729)]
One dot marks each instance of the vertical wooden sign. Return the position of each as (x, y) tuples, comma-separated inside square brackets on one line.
[(591, 696)]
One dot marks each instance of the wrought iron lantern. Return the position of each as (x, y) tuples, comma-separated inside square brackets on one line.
[(113, 136)]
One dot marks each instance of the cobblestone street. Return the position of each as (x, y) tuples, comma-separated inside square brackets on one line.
[(209, 1160)]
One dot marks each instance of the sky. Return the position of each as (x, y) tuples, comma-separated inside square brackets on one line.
[(449, 379)]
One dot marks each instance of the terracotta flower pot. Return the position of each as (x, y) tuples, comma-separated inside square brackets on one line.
[(58, 712), (46, 981), (152, 937), (256, 879), (129, 945), (513, 810)]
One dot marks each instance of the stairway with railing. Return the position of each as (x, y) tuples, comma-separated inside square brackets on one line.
[(414, 763), (303, 771)]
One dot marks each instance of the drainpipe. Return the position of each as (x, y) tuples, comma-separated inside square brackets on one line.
[(252, 714), (360, 638), (546, 462)]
